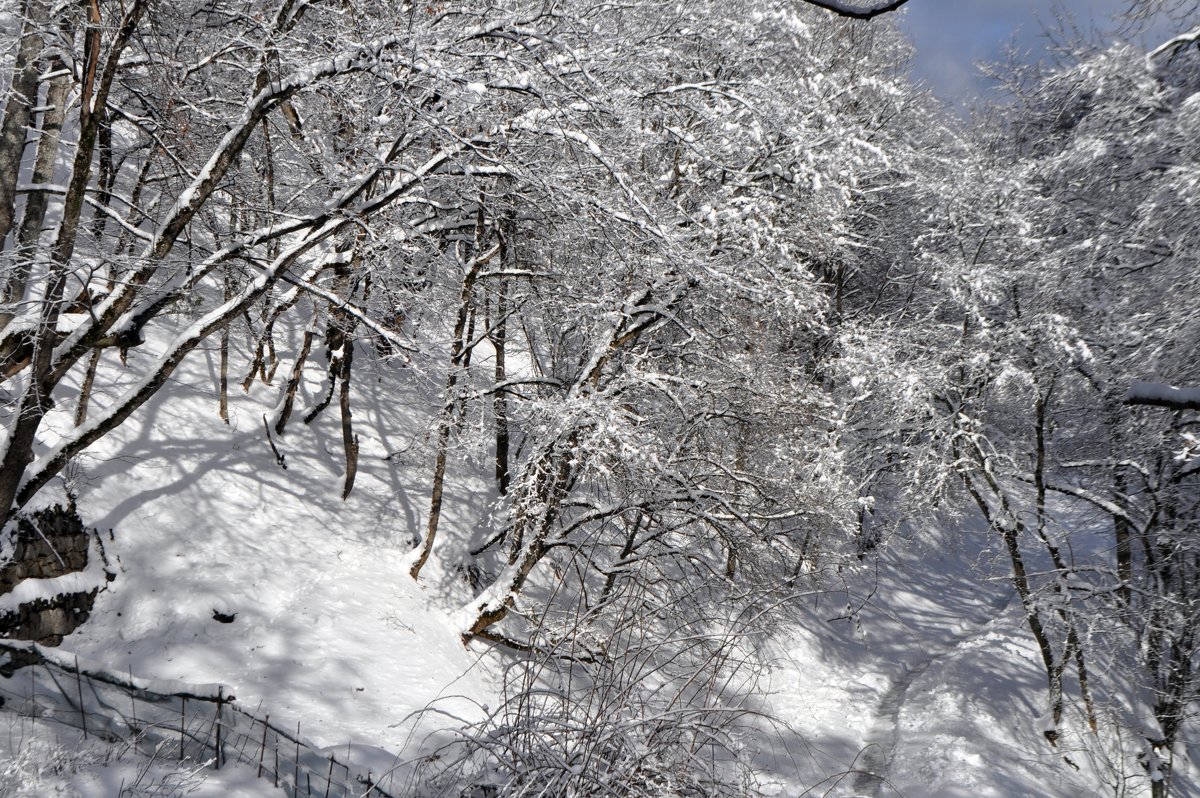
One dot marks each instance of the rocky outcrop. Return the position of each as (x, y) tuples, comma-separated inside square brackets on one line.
[(52, 571)]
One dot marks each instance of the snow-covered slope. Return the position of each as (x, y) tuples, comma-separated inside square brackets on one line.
[(329, 631), (910, 674), (932, 688), (329, 628)]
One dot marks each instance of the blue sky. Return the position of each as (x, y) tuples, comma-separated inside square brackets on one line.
[(951, 35)]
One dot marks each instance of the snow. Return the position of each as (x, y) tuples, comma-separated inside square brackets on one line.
[(1171, 45), (40, 760), (934, 691), (906, 670), (934, 688), (329, 629), (197, 781)]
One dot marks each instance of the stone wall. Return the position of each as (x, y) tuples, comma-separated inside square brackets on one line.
[(51, 543)]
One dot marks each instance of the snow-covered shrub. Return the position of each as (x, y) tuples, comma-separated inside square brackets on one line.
[(650, 699)]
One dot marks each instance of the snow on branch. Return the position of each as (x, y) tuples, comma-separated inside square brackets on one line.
[(1110, 507), (855, 10), (1157, 394), (323, 226), (345, 306), (197, 193), (1170, 46)]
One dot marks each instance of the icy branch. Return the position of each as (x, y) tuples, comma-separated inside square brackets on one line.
[(1157, 394), (854, 10), (345, 306), (1110, 507), (1171, 45)]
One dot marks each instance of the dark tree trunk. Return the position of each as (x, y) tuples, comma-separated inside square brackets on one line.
[(349, 439), (500, 400)]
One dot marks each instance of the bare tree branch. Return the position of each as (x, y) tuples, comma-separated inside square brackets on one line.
[(854, 11), (1158, 395)]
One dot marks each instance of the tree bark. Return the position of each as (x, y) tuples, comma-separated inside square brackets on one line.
[(349, 439), (85, 390), (36, 202), (289, 397), (18, 110), (1123, 539), (500, 401)]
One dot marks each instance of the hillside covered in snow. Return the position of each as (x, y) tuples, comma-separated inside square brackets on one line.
[(589, 399)]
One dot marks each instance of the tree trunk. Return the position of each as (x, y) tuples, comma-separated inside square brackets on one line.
[(349, 439), (37, 201), (451, 407), (85, 390), (1123, 538), (500, 400), (223, 366), (435, 496), (554, 472), (289, 398), (446, 423), (18, 110), (1010, 528), (106, 174)]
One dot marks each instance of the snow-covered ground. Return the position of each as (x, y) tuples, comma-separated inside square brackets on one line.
[(40, 760), (329, 629), (931, 688)]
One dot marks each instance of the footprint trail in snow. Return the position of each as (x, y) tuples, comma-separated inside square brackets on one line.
[(870, 775)]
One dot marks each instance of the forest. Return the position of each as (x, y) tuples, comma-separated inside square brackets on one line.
[(615, 343)]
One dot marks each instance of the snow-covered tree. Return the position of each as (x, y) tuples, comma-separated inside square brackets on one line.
[(1078, 282), (204, 170)]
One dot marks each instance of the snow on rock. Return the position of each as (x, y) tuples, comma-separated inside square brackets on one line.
[(93, 577)]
